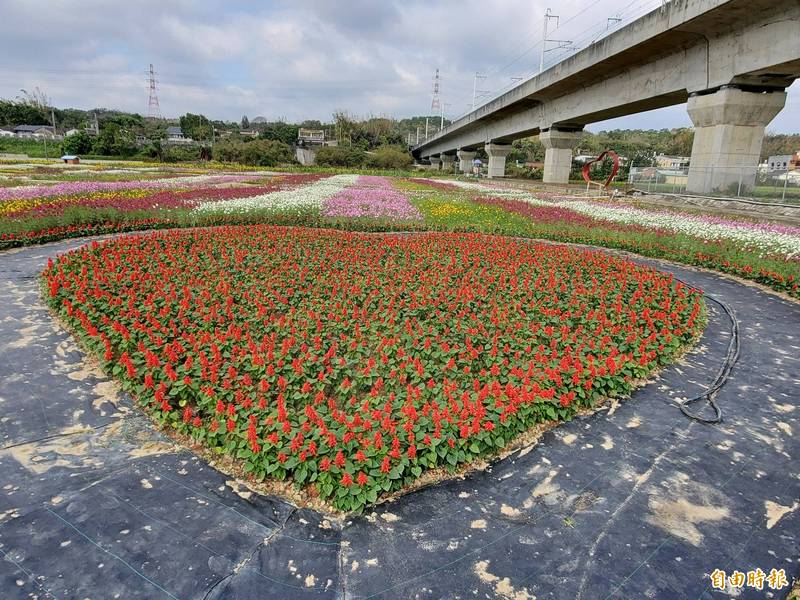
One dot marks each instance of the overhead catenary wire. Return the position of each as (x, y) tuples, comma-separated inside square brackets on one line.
[(633, 9)]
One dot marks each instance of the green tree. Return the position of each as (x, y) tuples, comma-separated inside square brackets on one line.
[(114, 141), (78, 143), (104, 142), (279, 131), (196, 127), (20, 113)]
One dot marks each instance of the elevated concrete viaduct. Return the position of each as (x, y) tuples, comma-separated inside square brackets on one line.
[(729, 60)]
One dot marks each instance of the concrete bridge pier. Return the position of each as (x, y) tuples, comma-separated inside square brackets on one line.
[(497, 159), (447, 163), (558, 154), (465, 158), (435, 162), (728, 130)]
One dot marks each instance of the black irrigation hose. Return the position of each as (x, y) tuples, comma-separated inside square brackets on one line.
[(731, 357)]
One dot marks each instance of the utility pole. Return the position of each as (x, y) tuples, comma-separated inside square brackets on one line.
[(426, 132), (426, 128), (475, 89), (53, 119)]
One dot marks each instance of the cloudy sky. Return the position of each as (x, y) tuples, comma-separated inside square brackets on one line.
[(298, 59)]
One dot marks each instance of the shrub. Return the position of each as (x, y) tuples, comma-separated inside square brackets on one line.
[(390, 157), (262, 153), (267, 153), (338, 156), (523, 172), (79, 143), (173, 154)]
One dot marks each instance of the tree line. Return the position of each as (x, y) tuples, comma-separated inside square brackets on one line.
[(369, 141)]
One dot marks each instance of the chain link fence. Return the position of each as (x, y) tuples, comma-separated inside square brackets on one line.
[(754, 183)]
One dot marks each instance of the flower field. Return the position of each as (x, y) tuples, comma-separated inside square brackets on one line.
[(351, 363), (279, 321), (764, 252), (96, 200), (175, 192)]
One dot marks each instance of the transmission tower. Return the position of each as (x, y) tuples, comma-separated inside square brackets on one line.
[(153, 109), (435, 104)]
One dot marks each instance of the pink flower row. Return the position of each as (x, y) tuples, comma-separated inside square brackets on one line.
[(71, 188), (372, 197)]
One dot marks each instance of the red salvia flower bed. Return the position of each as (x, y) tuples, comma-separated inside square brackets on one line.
[(354, 362)]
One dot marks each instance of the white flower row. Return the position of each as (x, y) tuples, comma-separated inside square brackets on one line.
[(753, 236), (306, 197)]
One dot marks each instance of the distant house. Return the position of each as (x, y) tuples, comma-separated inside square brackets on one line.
[(671, 162), (34, 131), (71, 159), (6, 132), (249, 132), (175, 136), (311, 136), (175, 133), (784, 162), (70, 132)]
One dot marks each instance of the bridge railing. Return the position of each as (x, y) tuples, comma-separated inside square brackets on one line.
[(722, 181)]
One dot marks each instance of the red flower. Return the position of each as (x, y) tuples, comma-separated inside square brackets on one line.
[(339, 459), (434, 337)]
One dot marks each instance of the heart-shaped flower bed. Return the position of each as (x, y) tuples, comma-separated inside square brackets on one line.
[(354, 362)]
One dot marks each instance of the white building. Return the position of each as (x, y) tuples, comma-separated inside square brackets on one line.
[(782, 162)]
